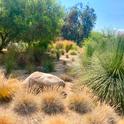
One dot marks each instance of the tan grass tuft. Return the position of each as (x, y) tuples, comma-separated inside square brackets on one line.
[(25, 104), (7, 89), (80, 103), (107, 113), (92, 118), (52, 103)]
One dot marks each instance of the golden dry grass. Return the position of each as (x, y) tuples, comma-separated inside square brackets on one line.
[(79, 107), (80, 103), (7, 119), (56, 120), (7, 88), (121, 121), (51, 102), (107, 113), (25, 103)]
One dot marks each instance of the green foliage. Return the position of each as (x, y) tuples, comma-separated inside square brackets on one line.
[(30, 67), (105, 73), (48, 66), (29, 21), (12, 22), (35, 52), (78, 23), (61, 47), (10, 61), (95, 42), (73, 52)]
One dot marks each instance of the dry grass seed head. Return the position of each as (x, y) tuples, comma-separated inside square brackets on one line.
[(80, 103), (52, 103), (25, 104)]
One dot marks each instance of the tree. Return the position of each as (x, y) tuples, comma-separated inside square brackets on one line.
[(45, 20), (11, 21), (78, 23), (29, 21)]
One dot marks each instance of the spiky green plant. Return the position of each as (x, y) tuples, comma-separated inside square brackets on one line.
[(105, 73)]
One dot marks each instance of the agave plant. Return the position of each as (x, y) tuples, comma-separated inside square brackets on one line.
[(105, 73)]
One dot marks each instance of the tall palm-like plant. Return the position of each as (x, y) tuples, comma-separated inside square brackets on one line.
[(105, 73)]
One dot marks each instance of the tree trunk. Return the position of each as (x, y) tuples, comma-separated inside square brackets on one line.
[(4, 40)]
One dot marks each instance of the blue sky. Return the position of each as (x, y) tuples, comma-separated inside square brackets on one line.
[(110, 13)]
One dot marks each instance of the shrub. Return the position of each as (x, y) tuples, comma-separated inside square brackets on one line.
[(95, 42), (73, 52), (80, 103), (68, 45), (48, 66), (10, 61), (63, 46), (105, 73), (30, 67), (34, 52), (51, 103), (22, 60)]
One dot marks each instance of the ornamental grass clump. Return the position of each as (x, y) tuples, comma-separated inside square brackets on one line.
[(80, 103), (7, 89), (52, 103), (102, 114), (25, 104), (107, 112), (105, 73)]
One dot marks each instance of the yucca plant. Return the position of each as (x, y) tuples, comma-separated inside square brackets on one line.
[(105, 73)]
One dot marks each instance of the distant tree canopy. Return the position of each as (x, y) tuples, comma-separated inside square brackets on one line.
[(78, 23), (29, 20)]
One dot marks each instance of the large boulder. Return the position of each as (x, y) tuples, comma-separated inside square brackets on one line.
[(43, 80)]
